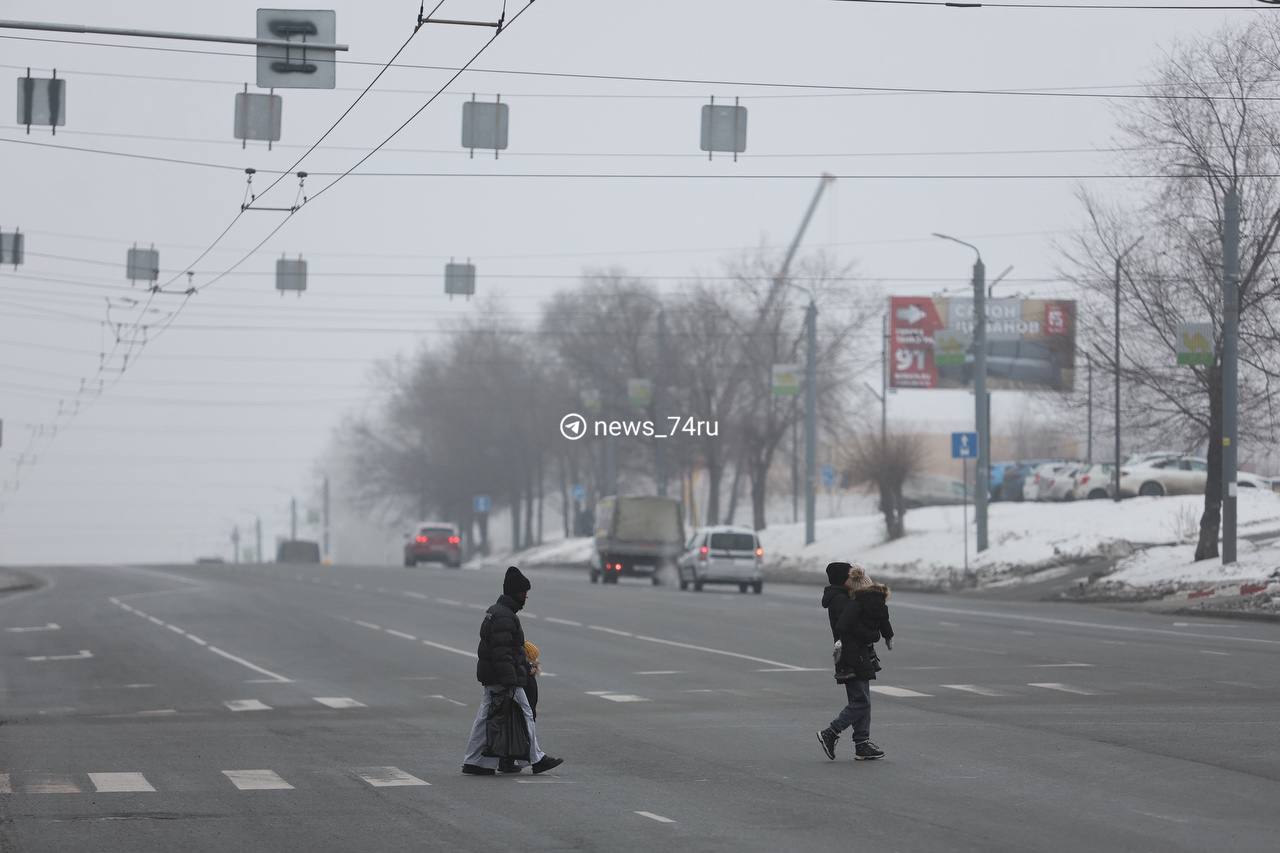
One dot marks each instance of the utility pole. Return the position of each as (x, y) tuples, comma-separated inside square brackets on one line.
[(659, 450), (1088, 453), (811, 423), (325, 551), (884, 379), (293, 519), (235, 543), (257, 532), (1230, 346), (795, 465), (1115, 474)]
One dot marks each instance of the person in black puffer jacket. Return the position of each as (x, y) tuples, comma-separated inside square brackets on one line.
[(501, 666), (858, 618)]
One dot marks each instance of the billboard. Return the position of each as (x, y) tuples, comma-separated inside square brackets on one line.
[(1030, 343)]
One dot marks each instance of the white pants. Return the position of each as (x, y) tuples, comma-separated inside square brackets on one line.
[(476, 743)]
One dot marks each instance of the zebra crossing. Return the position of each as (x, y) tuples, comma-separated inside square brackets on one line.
[(134, 782), (1004, 691)]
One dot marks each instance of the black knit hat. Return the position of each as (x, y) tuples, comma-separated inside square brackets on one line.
[(514, 584), (837, 573)]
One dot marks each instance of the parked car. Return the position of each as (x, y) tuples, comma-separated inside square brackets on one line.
[(297, 551), (433, 541), (730, 555), (636, 537), (1175, 475), (1062, 484), (1009, 479), (1040, 482), (1095, 481), (932, 490)]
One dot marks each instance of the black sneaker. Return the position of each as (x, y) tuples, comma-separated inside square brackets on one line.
[(828, 739), (867, 751), (477, 770), (508, 765), (547, 763)]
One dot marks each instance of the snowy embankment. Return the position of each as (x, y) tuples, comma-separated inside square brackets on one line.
[(1148, 535)]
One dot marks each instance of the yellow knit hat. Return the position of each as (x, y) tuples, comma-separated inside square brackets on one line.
[(531, 651)]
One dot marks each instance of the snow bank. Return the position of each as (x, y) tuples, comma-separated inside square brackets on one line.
[(1174, 565)]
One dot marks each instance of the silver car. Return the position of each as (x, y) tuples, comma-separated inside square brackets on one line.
[(728, 555)]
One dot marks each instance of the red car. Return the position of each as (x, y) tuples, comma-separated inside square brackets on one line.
[(434, 542)]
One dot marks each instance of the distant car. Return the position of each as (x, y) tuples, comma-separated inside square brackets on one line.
[(728, 555), (1061, 485), (1095, 481), (298, 551), (209, 561), (1040, 482), (433, 542), (932, 490), (1175, 475), (1009, 479)]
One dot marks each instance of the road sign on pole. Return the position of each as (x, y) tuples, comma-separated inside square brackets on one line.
[(481, 504), (785, 380), (579, 492), (964, 445), (828, 476), (305, 66), (1195, 344)]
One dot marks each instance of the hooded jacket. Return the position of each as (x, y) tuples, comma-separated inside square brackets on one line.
[(500, 658), (835, 599), (870, 621)]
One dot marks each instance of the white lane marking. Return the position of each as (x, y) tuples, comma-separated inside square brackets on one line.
[(543, 782), (616, 697), (564, 622), (253, 666), (900, 692), (1221, 654), (1025, 633), (159, 712), (973, 688), (950, 624), (120, 783), (257, 780), (52, 626), (137, 685), (45, 783), (795, 669), (368, 625), (447, 699), (445, 648), (5, 786), (246, 705), (659, 818), (448, 601), (175, 629), (159, 622), (712, 651), (339, 702), (357, 586), (80, 655), (660, 672), (1058, 665), (699, 690), (611, 631), (387, 777), (416, 595), (1062, 688), (476, 606), (1076, 623), (525, 614), (193, 638), (401, 634)]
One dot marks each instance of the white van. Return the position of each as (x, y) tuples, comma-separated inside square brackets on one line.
[(723, 554)]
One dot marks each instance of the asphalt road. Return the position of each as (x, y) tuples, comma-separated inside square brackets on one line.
[(279, 708)]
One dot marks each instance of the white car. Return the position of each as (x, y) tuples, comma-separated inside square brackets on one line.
[(1040, 482), (1095, 481), (1178, 475), (1061, 485), (730, 555)]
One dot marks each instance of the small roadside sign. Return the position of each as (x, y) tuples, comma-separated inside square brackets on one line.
[(481, 503), (828, 476), (964, 445), (785, 380), (579, 492), (1195, 344)]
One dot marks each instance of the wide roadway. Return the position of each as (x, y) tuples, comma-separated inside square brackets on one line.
[(312, 708)]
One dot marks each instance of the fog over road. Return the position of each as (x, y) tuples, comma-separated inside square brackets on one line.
[(311, 708)]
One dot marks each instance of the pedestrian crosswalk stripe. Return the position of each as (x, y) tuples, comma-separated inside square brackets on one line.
[(247, 705), (973, 688), (339, 702), (256, 780), (388, 777), (616, 697), (46, 783), (119, 783), (899, 692), (1062, 688)]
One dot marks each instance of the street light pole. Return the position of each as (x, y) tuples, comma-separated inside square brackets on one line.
[(982, 484), (1115, 486), (811, 422), (1230, 348), (659, 452)]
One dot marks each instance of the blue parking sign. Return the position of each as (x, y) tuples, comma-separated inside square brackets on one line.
[(481, 503), (579, 492), (964, 445), (828, 475)]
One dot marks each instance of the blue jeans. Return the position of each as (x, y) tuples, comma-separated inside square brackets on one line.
[(858, 712)]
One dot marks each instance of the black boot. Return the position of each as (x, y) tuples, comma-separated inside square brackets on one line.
[(476, 770), (867, 751), (508, 765), (828, 739), (547, 763)]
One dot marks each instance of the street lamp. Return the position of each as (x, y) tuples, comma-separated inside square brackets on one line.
[(810, 410), (1115, 475), (983, 476)]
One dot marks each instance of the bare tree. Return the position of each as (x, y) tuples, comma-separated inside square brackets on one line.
[(1211, 125), (886, 462)]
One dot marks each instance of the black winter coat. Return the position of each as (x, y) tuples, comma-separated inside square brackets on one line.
[(870, 622), (500, 658), (858, 622)]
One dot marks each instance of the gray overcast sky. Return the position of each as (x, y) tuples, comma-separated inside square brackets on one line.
[(218, 423)]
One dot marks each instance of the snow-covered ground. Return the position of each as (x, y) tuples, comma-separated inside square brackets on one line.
[(1024, 537), (1174, 565)]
